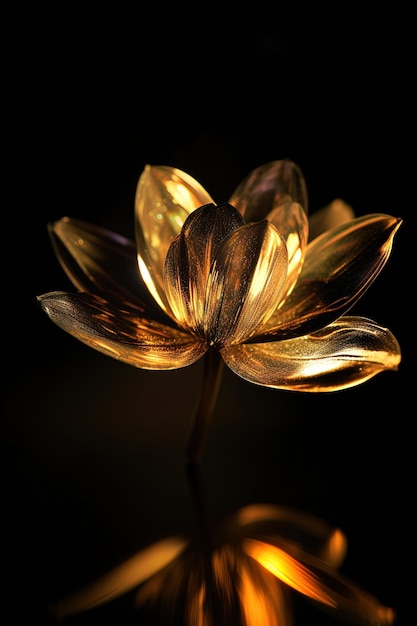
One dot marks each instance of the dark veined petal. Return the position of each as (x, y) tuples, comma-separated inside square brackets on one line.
[(342, 355), (222, 280), (267, 186), (328, 217), (121, 332), (313, 578), (129, 574), (165, 196), (190, 258), (292, 527), (244, 283), (100, 261), (338, 268)]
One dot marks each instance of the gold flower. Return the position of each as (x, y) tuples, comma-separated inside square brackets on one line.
[(240, 573), (253, 280)]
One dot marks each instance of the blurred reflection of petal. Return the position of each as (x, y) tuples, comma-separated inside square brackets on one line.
[(322, 584), (123, 578)]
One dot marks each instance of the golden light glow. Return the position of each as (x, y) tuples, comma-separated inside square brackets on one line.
[(131, 573), (288, 570)]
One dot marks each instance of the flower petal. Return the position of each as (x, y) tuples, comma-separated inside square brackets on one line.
[(222, 280), (342, 355), (291, 221), (122, 579), (314, 579), (338, 268), (293, 527), (328, 217), (245, 282), (165, 196), (267, 186), (100, 261), (190, 258), (121, 332)]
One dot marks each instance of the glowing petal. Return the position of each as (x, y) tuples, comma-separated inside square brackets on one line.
[(120, 331), (190, 258), (321, 584), (244, 283), (122, 579), (328, 217), (338, 268), (267, 186), (342, 355), (100, 261), (292, 527), (288, 570), (291, 221), (264, 602), (165, 196)]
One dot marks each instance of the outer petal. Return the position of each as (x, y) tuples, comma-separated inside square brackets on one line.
[(123, 578), (328, 217), (165, 196), (121, 332), (338, 268), (100, 261), (292, 527), (342, 355), (267, 186), (314, 579)]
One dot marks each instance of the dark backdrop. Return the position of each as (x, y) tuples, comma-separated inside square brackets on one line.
[(92, 449)]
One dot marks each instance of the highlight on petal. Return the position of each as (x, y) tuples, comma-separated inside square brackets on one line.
[(165, 196), (268, 186), (121, 331), (294, 528), (321, 584), (291, 221), (341, 355), (190, 257), (338, 268), (100, 261), (244, 283), (122, 579), (328, 217)]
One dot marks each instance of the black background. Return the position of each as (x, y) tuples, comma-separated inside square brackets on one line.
[(93, 449)]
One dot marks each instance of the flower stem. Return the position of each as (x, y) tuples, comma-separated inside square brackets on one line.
[(212, 373)]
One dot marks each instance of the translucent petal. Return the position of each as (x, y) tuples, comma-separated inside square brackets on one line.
[(267, 186), (121, 332), (292, 527), (263, 601), (330, 216), (100, 261), (244, 283), (292, 222), (176, 593), (317, 581), (121, 579), (342, 355), (165, 196), (338, 268), (190, 258)]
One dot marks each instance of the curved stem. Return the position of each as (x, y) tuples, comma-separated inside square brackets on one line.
[(212, 373)]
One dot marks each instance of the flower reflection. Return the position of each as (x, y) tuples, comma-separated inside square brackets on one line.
[(240, 573), (252, 279)]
